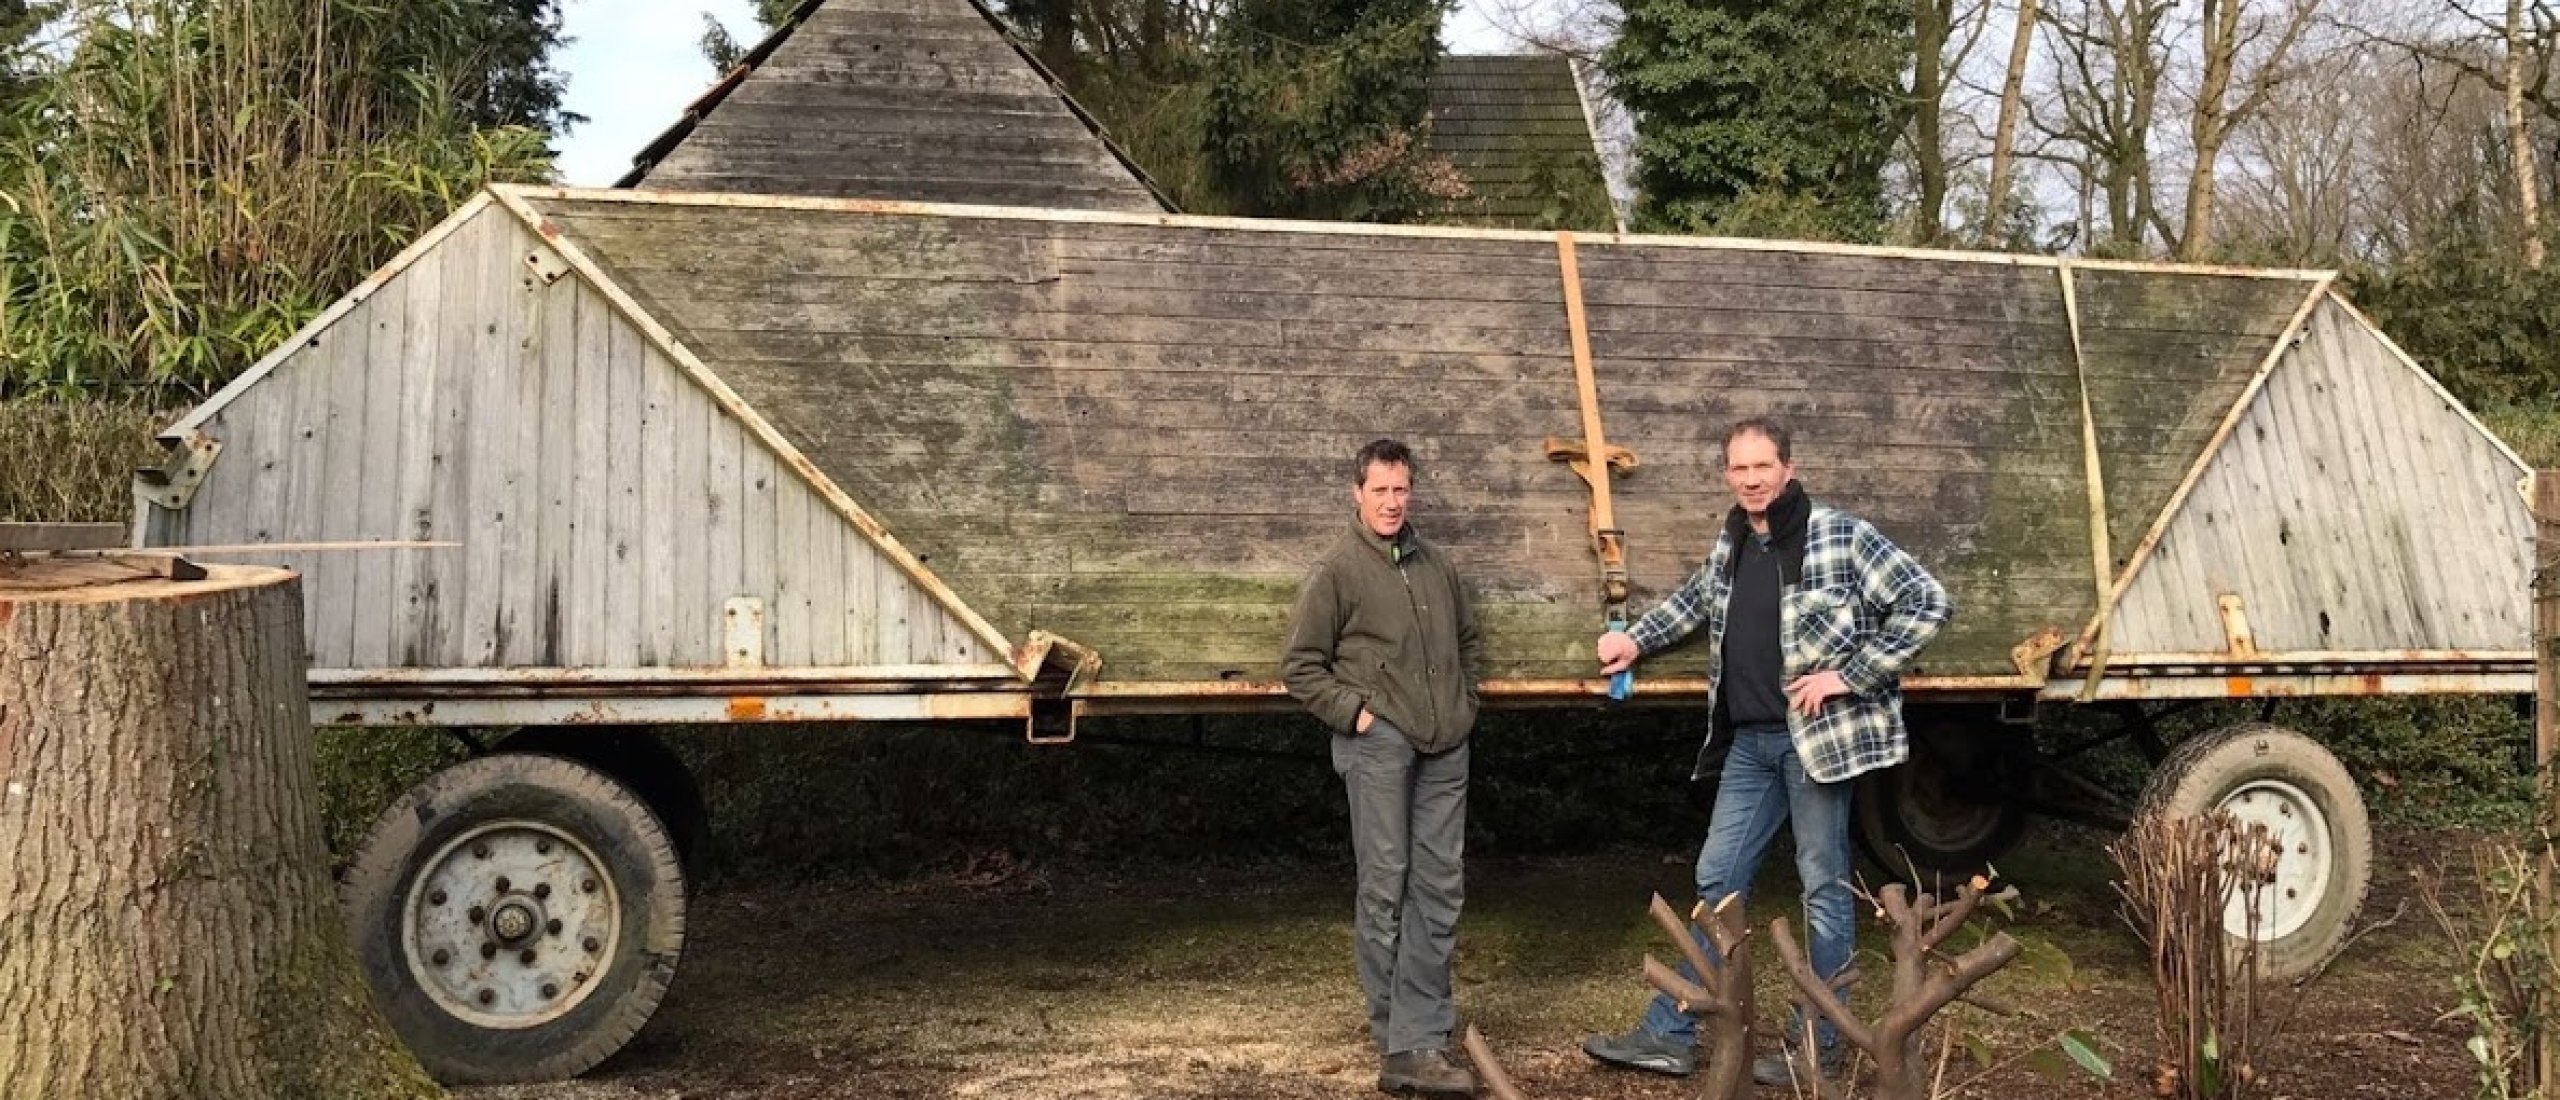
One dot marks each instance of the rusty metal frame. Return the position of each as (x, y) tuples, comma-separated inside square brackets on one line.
[(548, 709), (397, 679)]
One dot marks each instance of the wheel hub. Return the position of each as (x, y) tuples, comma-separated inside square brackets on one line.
[(2290, 891), (510, 924)]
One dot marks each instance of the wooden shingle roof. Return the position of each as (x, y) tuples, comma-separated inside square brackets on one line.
[(1514, 126), (922, 100)]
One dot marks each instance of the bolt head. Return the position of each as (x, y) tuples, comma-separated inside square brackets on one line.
[(526, 956), (477, 914), (489, 950), (591, 945), (541, 890), (443, 956), (435, 898), (549, 991), (542, 847), (480, 850), (488, 996), (503, 884), (553, 927), (587, 886)]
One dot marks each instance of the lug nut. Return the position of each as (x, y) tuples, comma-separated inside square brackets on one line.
[(443, 956), (542, 847), (549, 991), (436, 898), (480, 851), (591, 945), (553, 927), (502, 884), (578, 978), (587, 885), (477, 914), (541, 890), (488, 950), (488, 996), (525, 957)]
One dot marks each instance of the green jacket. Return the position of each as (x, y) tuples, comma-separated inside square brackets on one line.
[(1386, 626)]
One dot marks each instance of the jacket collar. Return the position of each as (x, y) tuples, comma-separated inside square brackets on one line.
[(1395, 550)]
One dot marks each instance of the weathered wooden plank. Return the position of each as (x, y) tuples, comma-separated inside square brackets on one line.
[(623, 577), (557, 431), (337, 494), (724, 541), (592, 560), (759, 525), (693, 606), (829, 565), (519, 628), (792, 606), (659, 509), (412, 482), (373, 594)]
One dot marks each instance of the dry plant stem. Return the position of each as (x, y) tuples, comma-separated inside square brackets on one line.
[(1488, 1068), (2179, 874), (1720, 999), (1922, 984)]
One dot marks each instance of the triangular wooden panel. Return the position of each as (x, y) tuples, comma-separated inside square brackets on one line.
[(915, 100), (607, 508), (2355, 508)]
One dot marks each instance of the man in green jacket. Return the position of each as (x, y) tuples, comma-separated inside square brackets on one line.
[(1383, 647)]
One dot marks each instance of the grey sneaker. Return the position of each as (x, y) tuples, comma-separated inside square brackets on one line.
[(1425, 1071), (1781, 1069), (1644, 1050)]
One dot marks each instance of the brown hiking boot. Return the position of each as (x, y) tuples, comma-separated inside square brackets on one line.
[(1425, 1071)]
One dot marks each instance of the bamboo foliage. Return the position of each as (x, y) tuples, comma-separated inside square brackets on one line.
[(196, 178)]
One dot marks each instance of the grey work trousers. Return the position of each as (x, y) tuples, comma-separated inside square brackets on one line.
[(1409, 833)]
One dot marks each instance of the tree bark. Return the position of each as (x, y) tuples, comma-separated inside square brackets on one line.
[(167, 923), (2004, 132), (1931, 27), (2520, 140)]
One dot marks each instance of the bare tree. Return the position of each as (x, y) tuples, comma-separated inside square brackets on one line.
[(2229, 30), (2111, 58), (2520, 70), (2004, 132), (2300, 172)]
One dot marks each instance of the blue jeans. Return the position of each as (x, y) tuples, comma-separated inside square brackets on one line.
[(1764, 784)]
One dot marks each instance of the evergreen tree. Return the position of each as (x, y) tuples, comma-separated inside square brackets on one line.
[(1315, 109), (1763, 117)]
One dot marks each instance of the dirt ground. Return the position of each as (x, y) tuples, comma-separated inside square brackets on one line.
[(1017, 982)]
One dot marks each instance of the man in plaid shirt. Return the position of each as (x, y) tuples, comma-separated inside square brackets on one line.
[(1809, 615)]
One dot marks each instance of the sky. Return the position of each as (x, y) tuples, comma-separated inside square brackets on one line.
[(632, 65)]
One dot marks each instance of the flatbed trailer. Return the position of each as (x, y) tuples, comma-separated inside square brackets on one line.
[(708, 459)]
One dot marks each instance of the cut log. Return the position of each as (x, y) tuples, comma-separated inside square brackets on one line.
[(167, 923)]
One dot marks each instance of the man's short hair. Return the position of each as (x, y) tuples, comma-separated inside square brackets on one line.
[(1765, 428), (1380, 452)]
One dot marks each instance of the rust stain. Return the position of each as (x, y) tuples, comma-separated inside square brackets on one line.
[(549, 231), (746, 708)]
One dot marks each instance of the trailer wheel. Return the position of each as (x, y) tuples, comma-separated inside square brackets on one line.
[(1933, 812), (2271, 776), (518, 918)]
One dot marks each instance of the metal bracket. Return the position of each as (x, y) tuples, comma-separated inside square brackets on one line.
[(173, 484), (742, 632), (1052, 722), (544, 266)]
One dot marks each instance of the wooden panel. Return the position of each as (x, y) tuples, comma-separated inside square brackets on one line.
[(2167, 356), (927, 101), (607, 507), (2353, 509)]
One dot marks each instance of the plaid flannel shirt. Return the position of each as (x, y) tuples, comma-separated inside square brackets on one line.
[(1862, 608)]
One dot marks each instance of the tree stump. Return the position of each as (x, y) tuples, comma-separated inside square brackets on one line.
[(167, 923)]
